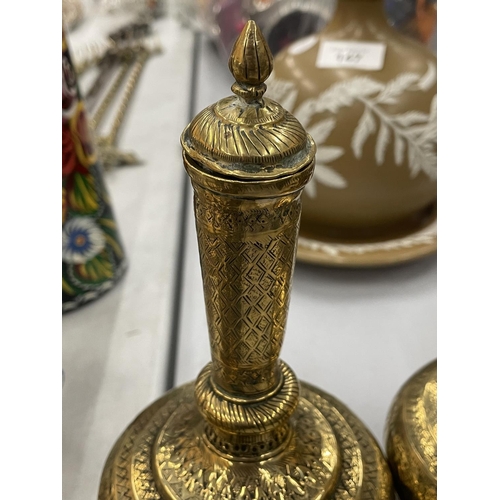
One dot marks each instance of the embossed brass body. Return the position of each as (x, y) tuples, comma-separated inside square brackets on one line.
[(247, 429), (412, 436)]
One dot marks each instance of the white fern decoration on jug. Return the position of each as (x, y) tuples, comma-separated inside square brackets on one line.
[(325, 154), (414, 133)]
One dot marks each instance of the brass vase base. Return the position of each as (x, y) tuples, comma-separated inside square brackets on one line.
[(412, 436), (165, 453)]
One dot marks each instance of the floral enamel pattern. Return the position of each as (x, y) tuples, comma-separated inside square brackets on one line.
[(413, 133), (92, 254)]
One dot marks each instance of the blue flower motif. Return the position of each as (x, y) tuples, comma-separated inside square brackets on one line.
[(82, 240)]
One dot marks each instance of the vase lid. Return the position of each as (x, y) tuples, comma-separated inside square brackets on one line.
[(248, 136)]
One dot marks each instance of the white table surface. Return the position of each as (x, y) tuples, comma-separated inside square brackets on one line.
[(115, 349), (358, 334)]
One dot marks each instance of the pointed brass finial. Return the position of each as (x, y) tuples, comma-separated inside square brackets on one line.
[(251, 63)]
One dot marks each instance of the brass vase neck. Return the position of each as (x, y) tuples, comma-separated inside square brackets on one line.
[(247, 257)]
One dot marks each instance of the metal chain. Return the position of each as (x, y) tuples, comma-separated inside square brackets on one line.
[(106, 67), (127, 94), (101, 110), (109, 154)]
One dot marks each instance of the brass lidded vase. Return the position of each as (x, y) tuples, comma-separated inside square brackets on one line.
[(411, 436), (246, 429)]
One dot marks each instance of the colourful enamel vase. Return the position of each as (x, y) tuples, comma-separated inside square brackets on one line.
[(92, 253)]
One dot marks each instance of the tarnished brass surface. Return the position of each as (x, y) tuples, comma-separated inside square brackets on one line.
[(412, 436), (247, 429)]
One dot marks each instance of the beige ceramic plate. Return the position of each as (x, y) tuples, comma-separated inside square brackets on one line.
[(412, 246)]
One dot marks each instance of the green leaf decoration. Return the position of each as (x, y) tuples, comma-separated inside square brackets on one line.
[(83, 198), (96, 270)]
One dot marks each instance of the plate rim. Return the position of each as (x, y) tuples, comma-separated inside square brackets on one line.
[(414, 245)]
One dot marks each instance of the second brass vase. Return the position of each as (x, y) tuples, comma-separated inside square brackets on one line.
[(411, 436)]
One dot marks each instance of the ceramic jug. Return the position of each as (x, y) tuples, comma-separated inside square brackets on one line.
[(367, 95)]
